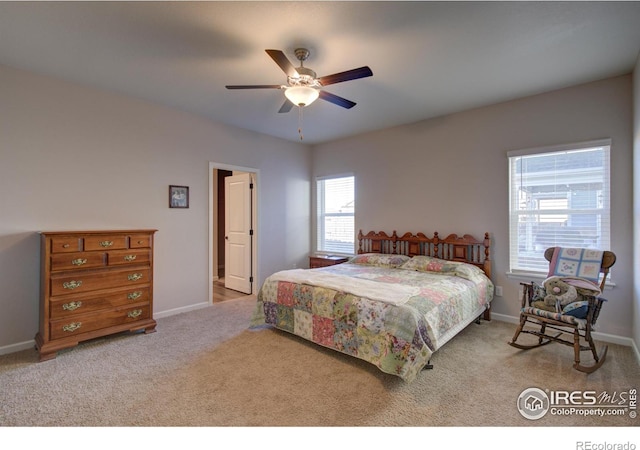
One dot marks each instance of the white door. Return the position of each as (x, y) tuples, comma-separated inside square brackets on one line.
[(238, 232)]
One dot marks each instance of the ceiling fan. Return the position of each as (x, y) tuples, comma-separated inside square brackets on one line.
[(303, 85)]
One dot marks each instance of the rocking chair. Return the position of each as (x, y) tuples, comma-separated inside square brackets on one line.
[(541, 320)]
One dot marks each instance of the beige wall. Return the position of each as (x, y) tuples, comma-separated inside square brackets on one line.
[(450, 175), (78, 158)]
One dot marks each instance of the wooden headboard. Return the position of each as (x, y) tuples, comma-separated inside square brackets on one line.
[(453, 248)]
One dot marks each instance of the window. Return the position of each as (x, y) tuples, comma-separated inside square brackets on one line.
[(336, 209), (558, 197)]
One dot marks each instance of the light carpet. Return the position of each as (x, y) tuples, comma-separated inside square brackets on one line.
[(205, 368)]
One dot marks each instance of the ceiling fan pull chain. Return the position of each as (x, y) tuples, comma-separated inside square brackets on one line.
[(300, 122)]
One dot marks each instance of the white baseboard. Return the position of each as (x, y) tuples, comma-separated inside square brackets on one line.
[(17, 347), (173, 312), (635, 349), (504, 318), (604, 337)]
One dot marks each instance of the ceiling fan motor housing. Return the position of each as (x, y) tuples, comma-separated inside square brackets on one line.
[(307, 78), (302, 54)]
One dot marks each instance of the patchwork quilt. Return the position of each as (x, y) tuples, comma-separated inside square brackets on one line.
[(393, 316), (576, 262)]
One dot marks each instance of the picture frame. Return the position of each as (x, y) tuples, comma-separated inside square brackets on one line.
[(178, 196)]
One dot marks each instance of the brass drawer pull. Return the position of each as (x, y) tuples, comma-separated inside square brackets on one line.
[(134, 295), (106, 243), (71, 284), (140, 242), (135, 313), (79, 261), (72, 327), (134, 276), (130, 257), (65, 245), (72, 306)]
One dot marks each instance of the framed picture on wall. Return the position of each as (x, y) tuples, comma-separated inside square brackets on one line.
[(178, 196)]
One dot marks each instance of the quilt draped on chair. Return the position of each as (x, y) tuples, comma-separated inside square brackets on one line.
[(576, 262)]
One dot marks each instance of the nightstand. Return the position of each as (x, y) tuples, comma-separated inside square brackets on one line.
[(316, 261)]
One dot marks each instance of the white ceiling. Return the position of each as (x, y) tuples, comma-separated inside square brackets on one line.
[(428, 58)]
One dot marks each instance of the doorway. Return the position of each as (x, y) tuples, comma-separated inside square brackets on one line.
[(227, 263)]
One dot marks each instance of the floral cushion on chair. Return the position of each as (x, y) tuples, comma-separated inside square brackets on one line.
[(539, 292), (572, 320)]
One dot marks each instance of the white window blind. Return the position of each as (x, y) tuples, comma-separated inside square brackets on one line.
[(558, 197), (336, 211)]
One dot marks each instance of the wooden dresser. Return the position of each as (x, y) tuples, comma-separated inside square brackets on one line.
[(316, 261), (93, 283)]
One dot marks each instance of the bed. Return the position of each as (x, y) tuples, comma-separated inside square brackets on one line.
[(393, 304)]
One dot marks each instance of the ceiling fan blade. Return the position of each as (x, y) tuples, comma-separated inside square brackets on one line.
[(332, 98), (256, 86), (286, 106), (354, 74), (281, 60)]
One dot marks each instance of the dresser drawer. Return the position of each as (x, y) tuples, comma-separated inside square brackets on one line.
[(77, 260), (94, 280), (66, 244), (118, 257), (70, 306), (140, 241), (105, 242), (89, 322)]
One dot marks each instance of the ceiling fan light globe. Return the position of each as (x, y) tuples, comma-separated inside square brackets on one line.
[(301, 95)]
